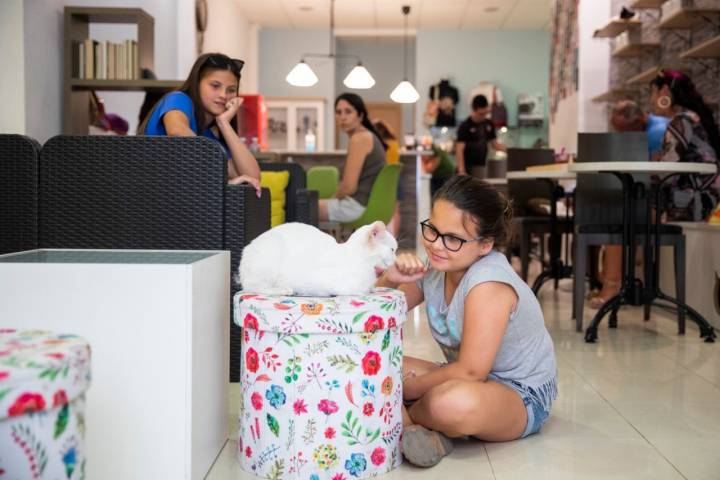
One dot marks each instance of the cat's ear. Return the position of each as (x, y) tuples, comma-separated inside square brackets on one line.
[(376, 229)]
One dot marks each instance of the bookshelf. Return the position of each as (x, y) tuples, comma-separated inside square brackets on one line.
[(76, 92), (687, 17), (615, 94), (635, 49), (615, 27), (707, 49)]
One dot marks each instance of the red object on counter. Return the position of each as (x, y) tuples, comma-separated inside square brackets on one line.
[(252, 120)]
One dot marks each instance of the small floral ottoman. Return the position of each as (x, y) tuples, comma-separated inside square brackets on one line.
[(321, 385), (43, 379)]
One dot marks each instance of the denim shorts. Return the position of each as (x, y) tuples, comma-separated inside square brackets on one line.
[(537, 402)]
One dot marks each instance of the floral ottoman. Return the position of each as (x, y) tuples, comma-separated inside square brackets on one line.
[(321, 385), (43, 379)]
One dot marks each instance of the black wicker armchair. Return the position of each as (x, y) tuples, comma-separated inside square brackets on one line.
[(147, 193), (19, 157)]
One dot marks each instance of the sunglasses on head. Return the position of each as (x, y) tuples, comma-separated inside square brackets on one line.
[(234, 64)]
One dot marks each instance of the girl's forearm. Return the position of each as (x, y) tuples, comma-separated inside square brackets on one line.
[(416, 387), (243, 161)]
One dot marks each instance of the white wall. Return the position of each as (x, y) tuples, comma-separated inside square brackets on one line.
[(43, 75), (12, 67), (577, 112), (230, 33), (594, 65), (280, 50)]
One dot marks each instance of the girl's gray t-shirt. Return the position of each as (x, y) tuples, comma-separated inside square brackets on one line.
[(526, 354)]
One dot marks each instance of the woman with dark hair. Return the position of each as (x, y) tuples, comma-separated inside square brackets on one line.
[(365, 159), (501, 377), (207, 104), (691, 136)]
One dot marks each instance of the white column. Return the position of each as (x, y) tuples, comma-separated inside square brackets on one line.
[(12, 67)]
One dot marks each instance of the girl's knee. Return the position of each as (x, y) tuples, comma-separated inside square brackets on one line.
[(449, 407)]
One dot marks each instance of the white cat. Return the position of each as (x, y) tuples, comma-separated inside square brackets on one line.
[(299, 259)]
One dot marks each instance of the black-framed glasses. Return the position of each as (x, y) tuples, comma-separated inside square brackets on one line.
[(234, 64), (450, 241)]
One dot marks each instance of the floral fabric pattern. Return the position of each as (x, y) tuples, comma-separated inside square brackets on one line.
[(321, 385), (43, 379)]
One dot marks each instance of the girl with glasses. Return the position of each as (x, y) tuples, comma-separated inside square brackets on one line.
[(207, 104), (501, 377)]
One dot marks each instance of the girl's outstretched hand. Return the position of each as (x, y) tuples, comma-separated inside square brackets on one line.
[(408, 268)]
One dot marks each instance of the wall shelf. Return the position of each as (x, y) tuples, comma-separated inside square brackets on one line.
[(124, 85), (615, 27), (615, 94), (707, 49), (687, 18), (647, 4), (635, 49), (76, 92), (643, 77)]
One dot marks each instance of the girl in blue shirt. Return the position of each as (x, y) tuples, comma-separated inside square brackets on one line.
[(207, 104)]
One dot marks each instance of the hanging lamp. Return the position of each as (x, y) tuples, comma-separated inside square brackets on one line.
[(303, 76), (405, 92)]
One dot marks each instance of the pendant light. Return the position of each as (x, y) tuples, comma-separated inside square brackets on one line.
[(405, 92), (303, 76)]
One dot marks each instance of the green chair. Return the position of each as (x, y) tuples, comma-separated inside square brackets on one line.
[(324, 179), (383, 196)]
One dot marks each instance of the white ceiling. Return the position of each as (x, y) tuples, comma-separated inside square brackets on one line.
[(387, 14)]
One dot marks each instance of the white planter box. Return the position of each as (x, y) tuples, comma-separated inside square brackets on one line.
[(157, 323)]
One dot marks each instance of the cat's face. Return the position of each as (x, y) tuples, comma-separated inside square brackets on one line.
[(380, 244)]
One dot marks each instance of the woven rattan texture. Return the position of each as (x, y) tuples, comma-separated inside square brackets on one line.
[(18, 193), (131, 192)]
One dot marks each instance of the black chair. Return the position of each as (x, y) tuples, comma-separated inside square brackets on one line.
[(527, 222), (599, 209), (19, 157), (301, 204), (147, 193)]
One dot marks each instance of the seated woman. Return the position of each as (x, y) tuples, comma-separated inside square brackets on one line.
[(365, 159), (207, 104), (691, 136)]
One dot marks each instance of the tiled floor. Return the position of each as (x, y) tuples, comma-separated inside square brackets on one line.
[(642, 403)]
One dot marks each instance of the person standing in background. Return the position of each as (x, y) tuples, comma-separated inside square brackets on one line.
[(473, 137)]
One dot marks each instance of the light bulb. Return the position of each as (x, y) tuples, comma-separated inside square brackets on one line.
[(359, 78), (405, 93), (302, 75)]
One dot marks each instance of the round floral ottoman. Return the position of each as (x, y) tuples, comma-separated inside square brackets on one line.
[(321, 385), (43, 379)]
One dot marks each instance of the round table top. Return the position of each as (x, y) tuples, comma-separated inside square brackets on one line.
[(551, 175), (644, 167)]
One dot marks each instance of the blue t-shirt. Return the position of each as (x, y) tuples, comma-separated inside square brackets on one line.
[(655, 130), (182, 102)]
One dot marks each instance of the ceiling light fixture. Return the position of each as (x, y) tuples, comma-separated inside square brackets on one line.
[(303, 76), (405, 92)]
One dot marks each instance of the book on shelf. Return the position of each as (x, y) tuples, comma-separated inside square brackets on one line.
[(107, 60)]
